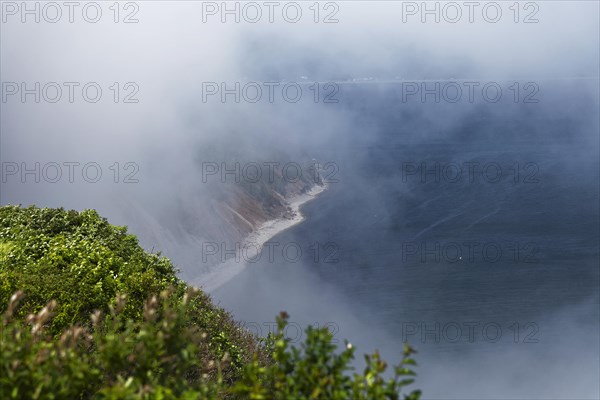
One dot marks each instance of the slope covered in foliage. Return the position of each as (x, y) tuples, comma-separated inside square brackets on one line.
[(82, 262), (87, 313)]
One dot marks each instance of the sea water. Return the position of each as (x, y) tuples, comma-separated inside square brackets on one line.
[(471, 233)]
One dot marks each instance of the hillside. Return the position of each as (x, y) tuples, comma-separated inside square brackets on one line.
[(87, 313)]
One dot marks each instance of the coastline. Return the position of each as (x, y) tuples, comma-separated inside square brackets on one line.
[(252, 245)]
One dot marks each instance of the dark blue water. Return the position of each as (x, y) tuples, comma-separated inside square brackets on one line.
[(471, 232)]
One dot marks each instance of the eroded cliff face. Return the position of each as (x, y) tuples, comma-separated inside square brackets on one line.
[(252, 204), (219, 213)]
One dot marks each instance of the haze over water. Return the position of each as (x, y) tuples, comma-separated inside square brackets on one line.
[(492, 275)]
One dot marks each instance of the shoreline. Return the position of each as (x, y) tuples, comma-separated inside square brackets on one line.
[(252, 244)]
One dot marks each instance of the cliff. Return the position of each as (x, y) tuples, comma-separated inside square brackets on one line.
[(219, 211)]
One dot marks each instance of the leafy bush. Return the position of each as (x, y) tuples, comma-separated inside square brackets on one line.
[(157, 358), (82, 262), (87, 314), (316, 371), (78, 259)]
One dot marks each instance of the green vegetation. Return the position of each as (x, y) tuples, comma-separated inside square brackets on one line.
[(87, 313)]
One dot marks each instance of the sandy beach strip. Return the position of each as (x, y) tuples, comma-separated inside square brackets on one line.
[(252, 245)]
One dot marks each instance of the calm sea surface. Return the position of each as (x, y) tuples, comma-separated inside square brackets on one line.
[(472, 233)]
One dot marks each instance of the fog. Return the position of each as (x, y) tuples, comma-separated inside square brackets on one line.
[(176, 48)]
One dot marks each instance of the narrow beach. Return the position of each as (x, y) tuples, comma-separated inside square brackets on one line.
[(252, 245)]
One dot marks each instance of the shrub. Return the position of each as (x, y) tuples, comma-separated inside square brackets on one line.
[(317, 371), (88, 314), (160, 357), (81, 261)]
